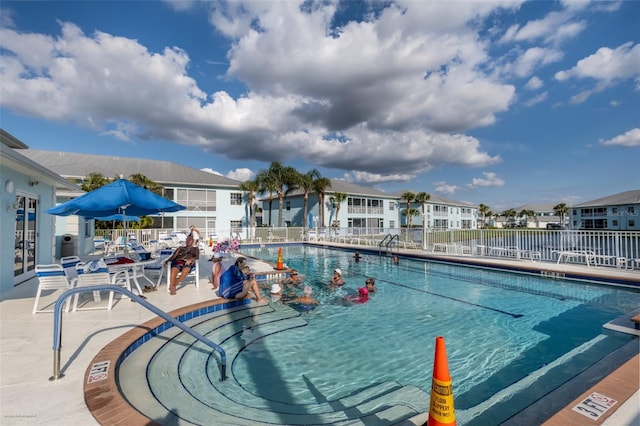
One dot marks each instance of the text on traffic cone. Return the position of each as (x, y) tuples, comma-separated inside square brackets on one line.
[(441, 411)]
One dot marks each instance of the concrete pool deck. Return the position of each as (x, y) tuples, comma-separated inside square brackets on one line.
[(26, 356)]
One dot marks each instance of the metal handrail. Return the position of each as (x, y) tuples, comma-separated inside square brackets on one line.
[(386, 243), (57, 325)]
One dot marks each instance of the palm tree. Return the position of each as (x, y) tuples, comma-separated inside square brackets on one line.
[(409, 213), (561, 210), (485, 211), (320, 185), (526, 214), (286, 180), (306, 184), (422, 198), (409, 197), (94, 180), (267, 183), (510, 213), (146, 183), (251, 187), (336, 199)]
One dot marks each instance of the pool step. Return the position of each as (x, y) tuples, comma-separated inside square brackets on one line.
[(228, 402)]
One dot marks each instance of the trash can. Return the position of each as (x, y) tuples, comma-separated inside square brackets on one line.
[(66, 247)]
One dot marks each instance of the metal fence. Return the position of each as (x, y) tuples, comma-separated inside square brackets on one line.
[(607, 247)]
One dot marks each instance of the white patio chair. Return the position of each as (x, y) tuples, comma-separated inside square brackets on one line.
[(90, 274), (156, 269), (194, 274), (69, 265), (50, 277)]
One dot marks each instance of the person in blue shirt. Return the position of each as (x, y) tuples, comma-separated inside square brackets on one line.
[(237, 281)]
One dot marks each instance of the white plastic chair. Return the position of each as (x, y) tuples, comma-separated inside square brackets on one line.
[(194, 273), (50, 277), (98, 276), (157, 268), (69, 264)]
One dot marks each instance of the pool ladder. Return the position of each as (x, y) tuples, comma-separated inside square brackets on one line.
[(57, 325), (386, 242)]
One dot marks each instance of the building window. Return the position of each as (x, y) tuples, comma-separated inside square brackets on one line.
[(236, 199), (632, 223), (392, 205), (287, 205), (392, 224), (236, 226), (196, 199)]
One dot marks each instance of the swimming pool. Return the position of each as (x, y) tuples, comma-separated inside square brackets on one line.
[(510, 338)]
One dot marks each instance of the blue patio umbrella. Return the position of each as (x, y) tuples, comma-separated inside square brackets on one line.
[(117, 198), (120, 197), (126, 218)]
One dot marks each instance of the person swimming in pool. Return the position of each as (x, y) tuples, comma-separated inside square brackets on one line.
[(370, 284), (336, 279), (293, 279), (306, 298), (360, 298)]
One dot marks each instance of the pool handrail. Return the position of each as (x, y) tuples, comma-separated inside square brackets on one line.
[(57, 325), (386, 243)]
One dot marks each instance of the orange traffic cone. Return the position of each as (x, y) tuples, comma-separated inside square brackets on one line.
[(280, 264), (210, 241), (441, 411)]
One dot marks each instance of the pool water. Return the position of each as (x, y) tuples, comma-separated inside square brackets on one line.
[(510, 338)]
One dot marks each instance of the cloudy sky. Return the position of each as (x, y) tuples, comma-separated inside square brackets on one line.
[(495, 102)]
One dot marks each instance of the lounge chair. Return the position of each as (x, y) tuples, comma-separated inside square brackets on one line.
[(50, 277)]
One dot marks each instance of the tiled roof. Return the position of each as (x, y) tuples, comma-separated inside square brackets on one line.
[(73, 165), (436, 199), (627, 197), (338, 185)]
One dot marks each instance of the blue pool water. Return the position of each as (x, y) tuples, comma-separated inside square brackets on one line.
[(510, 338)]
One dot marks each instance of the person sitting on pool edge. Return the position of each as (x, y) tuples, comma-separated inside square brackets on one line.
[(293, 279), (336, 279), (370, 284), (236, 282)]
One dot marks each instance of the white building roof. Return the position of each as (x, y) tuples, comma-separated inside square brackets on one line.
[(73, 165), (627, 197)]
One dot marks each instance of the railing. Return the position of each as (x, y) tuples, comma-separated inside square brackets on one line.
[(547, 242), (57, 325), (386, 241)]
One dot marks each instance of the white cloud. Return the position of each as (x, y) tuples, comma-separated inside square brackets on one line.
[(242, 174), (533, 58), (628, 139), (490, 179), (607, 67), (555, 27), (372, 179), (210, 170), (534, 83), (444, 188), (537, 99)]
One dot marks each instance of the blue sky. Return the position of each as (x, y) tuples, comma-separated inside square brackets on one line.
[(497, 102)]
